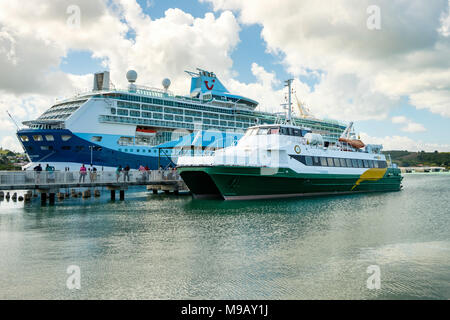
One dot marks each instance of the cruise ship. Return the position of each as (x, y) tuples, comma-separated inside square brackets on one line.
[(107, 126)]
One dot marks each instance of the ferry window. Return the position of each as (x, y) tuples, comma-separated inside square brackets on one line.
[(274, 131), (316, 161), (297, 132), (285, 131), (79, 148), (375, 164), (49, 137), (366, 164), (65, 137), (24, 138), (343, 163), (355, 163), (46, 148), (336, 162), (309, 161), (330, 162), (349, 162), (137, 150), (262, 131), (382, 164), (96, 138), (65, 147), (38, 138), (323, 161), (113, 110), (370, 163), (360, 163)]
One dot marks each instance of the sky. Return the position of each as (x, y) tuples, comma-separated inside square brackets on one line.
[(383, 64)]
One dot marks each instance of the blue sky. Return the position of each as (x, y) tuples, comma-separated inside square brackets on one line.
[(430, 123)]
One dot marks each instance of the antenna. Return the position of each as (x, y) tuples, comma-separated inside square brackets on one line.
[(14, 121), (288, 84)]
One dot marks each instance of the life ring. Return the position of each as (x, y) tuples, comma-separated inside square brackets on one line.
[(297, 149)]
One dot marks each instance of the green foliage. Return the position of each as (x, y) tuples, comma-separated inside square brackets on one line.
[(414, 159)]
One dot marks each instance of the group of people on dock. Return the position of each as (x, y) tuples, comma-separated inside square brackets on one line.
[(144, 171)]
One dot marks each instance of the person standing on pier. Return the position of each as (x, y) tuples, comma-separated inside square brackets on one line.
[(37, 171), (83, 173), (126, 171), (118, 171)]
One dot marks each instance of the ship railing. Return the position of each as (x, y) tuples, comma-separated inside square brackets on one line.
[(48, 178)]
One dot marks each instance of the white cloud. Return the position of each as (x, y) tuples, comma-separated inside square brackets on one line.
[(404, 143), (410, 126), (366, 71)]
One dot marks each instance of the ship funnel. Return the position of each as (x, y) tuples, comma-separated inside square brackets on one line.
[(101, 81)]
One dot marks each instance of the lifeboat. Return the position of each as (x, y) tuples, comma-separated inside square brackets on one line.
[(145, 132), (355, 143)]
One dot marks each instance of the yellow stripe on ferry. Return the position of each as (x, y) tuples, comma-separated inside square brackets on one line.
[(372, 174)]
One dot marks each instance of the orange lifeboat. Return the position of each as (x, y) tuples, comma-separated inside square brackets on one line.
[(357, 144)]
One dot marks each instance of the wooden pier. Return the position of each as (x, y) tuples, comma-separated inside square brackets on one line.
[(49, 184)]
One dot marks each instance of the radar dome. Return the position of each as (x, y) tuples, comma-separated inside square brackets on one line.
[(166, 83), (131, 76)]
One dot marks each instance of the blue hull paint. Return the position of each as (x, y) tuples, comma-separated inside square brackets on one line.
[(77, 150)]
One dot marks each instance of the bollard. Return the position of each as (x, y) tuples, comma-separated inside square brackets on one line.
[(51, 198), (28, 196), (14, 196), (2, 194), (7, 196), (43, 198), (20, 198)]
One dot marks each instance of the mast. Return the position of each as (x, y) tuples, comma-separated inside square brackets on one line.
[(288, 84)]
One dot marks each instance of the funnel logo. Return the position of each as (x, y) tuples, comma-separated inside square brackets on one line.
[(207, 85)]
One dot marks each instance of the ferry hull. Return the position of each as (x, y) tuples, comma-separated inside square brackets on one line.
[(243, 183)]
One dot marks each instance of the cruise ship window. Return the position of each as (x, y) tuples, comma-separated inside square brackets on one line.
[(37, 138), (65, 137), (24, 138)]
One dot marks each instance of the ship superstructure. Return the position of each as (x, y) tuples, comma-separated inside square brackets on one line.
[(139, 125)]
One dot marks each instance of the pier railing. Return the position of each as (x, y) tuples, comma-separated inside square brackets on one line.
[(9, 179)]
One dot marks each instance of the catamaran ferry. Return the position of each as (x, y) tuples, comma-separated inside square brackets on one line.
[(286, 160), (137, 126)]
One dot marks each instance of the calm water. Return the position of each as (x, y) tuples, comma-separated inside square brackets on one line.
[(165, 247)]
